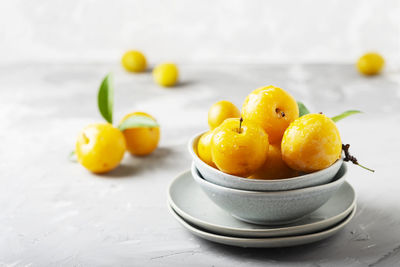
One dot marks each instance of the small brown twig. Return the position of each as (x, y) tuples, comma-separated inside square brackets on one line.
[(351, 158)]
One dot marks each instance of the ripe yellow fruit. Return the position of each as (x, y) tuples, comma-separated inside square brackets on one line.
[(204, 148), (166, 74), (271, 107), (239, 150), (311, 143), (141, 141), (370, 64), (134, 61), (274, 167), (221, 111), (100, 147)]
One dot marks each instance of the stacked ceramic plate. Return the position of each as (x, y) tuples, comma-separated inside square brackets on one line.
[(261, 213)]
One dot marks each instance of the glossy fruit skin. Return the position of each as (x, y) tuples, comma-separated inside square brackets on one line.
[(221, 111), (141, 141), (166, 74), (204, 148), (100, 147), (134, 61), (370, 64), (311, 143), (274, 167), (239, 153), (271, 107)]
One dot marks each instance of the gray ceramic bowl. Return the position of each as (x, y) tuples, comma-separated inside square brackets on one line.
[(220, 178), (270, 208)]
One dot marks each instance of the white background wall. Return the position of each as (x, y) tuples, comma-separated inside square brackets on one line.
[(199, 31)]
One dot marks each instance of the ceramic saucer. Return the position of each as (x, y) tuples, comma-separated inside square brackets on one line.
[(268, 242), (188, 200)]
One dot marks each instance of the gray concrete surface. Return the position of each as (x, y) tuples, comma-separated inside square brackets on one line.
[(55, 213)]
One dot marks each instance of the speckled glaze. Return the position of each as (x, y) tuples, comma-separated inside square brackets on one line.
[(270, 208), (220, 178)]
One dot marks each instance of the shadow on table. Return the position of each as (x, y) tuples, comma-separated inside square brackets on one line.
[(133, 165), (368, 239), (284, 255), (183, 84)]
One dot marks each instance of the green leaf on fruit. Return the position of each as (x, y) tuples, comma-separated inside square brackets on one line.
[(303, 110), (105, 98), (138, 122), (345, 114)]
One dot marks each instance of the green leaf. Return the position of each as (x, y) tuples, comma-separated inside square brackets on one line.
[(137, 122), (303, 110), (105, 98), (345, 114), (72, 156)]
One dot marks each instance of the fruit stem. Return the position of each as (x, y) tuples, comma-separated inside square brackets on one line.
[(240, 124), (368, 169), (353, 159)]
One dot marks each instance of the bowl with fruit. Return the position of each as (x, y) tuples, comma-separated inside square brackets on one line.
[(271, 162), (270, 145), (281, 177)]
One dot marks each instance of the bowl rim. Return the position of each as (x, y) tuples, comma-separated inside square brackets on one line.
[(340, 180), (254, 181)]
